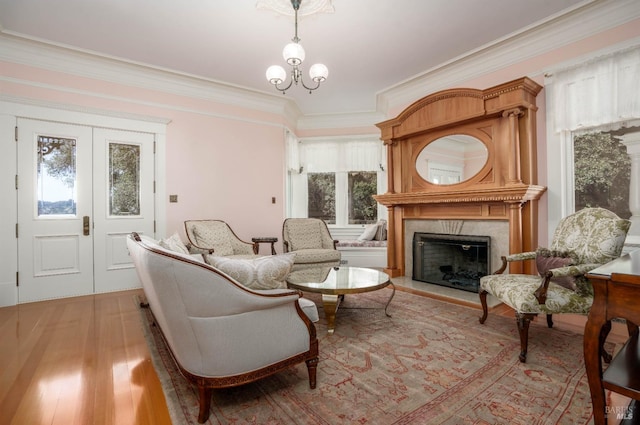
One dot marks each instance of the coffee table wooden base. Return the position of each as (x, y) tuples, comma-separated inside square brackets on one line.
[(336, 282), (330, 303)]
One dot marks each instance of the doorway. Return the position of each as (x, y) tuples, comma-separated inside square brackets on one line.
[(81, 191)]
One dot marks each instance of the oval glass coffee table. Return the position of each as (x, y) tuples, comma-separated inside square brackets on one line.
[(336, 282)]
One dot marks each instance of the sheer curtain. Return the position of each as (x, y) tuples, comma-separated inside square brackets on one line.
[(341, 155), (601, 92)]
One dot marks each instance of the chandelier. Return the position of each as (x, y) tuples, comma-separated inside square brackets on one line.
[(293, 54)]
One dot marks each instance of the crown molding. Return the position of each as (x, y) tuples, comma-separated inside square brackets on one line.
[(346, 120), (587, 19), (20, 49)]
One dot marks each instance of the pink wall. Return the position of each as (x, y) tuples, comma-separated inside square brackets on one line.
[(223, 162)]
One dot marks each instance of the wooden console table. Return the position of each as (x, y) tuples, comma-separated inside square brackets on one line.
[(616, 288)]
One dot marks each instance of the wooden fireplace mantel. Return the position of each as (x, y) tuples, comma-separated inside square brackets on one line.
[(505, 188)]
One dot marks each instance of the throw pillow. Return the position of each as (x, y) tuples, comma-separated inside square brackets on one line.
[(267, 272), (369, 232), (381, 234), (174, 243), (547, 260)]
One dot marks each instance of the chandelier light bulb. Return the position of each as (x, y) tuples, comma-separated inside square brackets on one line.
[(318, 72), (293, 53), (276, 74)]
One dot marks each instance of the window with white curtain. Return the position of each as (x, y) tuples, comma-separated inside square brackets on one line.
[(335, 179), (592, 108)]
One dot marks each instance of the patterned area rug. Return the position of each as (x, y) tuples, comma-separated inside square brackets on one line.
[(430, 363)]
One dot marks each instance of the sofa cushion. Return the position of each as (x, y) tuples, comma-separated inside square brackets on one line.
[(267, 272), (381, 234), (174, 243), (369, 232)]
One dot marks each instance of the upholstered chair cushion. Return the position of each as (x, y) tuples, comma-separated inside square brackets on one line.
[(214, 234), (304, 235), (267, 272), (517, 291), (317, 256)]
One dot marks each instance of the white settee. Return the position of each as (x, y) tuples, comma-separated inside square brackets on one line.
[(221, 333)]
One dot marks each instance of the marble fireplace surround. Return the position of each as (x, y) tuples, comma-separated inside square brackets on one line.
[(500, 201)]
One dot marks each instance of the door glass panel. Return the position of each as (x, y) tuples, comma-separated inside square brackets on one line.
[(124, 179), (56, 176)]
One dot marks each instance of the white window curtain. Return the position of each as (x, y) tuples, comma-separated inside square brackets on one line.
[(341, 156), (601, 92), (293, 151)]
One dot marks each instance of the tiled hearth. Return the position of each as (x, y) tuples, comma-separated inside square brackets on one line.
[(456, 296)]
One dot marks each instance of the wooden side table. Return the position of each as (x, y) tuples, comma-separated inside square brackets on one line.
[(616, 288), (258, 241)]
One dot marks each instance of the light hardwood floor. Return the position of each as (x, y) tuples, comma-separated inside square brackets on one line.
[(82, 360)]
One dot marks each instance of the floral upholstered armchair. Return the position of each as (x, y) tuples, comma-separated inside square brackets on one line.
[(310, 240), (581, 242), (215, 237)]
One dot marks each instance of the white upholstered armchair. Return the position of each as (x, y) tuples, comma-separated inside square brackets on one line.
[(216, 237), (220, 333), (310, 240), (581, 242)]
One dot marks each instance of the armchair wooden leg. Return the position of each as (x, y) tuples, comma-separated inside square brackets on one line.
[(485, 310), (550, 320), (312, 366), (523, 321), (205, 403)]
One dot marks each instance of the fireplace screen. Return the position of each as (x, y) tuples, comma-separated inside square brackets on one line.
[(457, 261)]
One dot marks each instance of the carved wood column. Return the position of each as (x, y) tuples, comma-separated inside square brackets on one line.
[(390, 168), (515, 234), (514, 143)]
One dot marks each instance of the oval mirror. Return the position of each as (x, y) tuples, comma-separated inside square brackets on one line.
[(451, 159)]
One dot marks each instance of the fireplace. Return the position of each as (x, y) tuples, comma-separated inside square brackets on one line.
[(504, 190), (456, 261)]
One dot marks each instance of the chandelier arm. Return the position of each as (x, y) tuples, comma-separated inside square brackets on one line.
[(309, 88), (283, 90)]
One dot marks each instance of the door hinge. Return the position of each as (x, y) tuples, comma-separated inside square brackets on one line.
[(154, 186), (154, 227), (15, 133), (17, 278), (154, 147), (16, 182), (16, 230)]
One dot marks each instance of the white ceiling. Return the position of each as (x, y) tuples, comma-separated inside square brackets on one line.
[(368, 45)]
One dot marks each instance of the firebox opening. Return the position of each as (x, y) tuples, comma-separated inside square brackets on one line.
[(456, 261)]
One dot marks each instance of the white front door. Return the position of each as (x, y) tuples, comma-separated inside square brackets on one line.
[(123, 202), (80, 191)]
